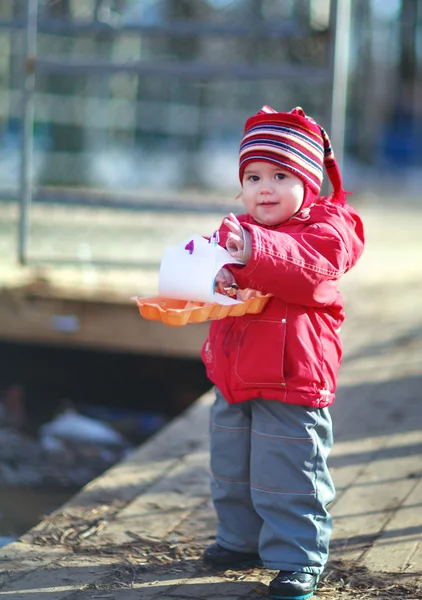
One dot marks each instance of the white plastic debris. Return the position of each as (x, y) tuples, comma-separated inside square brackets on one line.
[(52, 444), (73, 427)]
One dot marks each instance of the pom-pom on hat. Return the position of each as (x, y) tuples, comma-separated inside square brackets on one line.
[(293, 141)]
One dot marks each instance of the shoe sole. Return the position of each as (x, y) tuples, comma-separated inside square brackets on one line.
[(294, 597)]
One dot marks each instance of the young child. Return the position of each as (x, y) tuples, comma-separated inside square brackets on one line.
[(275, 372)]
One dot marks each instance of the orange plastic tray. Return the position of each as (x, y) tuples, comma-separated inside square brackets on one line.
[(180, 312)]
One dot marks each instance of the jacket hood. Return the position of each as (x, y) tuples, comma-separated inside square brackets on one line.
[(345, 220)]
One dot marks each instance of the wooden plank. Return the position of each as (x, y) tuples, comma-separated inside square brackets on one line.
[(58, 581), (365, 418), (155, 514), (175, 490), (401, 538), (365, 509), (349, 459), (18, 558), (200, 525), (378, 396), (93, 324)]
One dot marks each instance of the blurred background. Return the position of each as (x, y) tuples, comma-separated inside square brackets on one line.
[(151, 95), (120, 123), (140, 103)]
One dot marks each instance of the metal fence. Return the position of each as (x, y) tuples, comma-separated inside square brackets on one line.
[(142, 115)]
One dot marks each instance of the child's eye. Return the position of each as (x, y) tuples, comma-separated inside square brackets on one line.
[(280, 176), (253, 178)]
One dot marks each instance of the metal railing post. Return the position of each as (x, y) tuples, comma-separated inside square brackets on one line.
[(28, 92)]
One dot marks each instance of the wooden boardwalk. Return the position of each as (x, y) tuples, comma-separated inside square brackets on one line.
[(137, 532)]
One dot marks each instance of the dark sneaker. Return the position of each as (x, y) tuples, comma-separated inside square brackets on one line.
[(218, 556), (293, 586)]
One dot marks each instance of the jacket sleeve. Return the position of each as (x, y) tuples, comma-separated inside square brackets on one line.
[(300, 268)]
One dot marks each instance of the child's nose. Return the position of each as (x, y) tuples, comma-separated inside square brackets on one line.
[(266, 187)]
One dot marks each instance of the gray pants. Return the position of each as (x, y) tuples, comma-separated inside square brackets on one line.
[(270, 483)]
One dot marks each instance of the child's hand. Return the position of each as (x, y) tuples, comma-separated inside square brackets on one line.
[(223, 279), (238, 243), (225, 283)]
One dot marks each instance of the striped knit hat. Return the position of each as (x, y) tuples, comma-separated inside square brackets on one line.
[(296, 143)]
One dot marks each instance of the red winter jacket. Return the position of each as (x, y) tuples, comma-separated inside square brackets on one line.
[(291, 351)]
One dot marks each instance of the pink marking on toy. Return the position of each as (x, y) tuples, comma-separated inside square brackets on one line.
[(190, 246)]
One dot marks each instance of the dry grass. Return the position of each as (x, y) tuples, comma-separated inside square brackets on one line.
[(345, 580), (342, 580)]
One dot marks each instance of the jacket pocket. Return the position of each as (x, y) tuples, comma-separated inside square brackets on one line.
[(260, 355)]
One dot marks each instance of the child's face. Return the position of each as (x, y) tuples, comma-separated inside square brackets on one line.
[(270, 194)]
